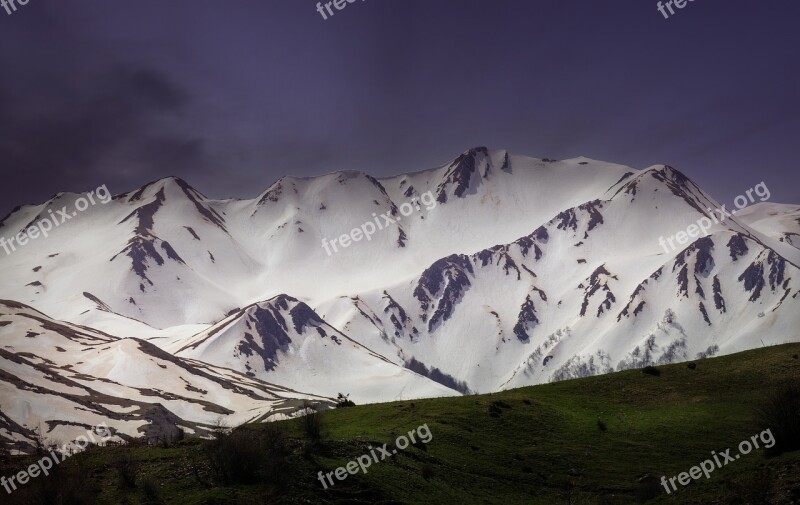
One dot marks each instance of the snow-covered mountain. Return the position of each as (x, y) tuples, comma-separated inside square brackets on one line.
[(489, 272), (781, 222), (285, 342), (61, 379)]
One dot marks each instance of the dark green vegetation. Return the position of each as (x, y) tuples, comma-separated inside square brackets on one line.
[(598, 440)]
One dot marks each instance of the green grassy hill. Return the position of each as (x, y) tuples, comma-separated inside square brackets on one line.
[(598, 440)]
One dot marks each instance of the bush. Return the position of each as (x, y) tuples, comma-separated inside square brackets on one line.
[(343, 401), (39, 443), (427, 472), (691, 366), (602, 426), (246, 456), (150, 495), (65, 485), (312, 425), (651, 370), (750, 488), (496, 408), (780, 413), (648, 487), (127, 469)]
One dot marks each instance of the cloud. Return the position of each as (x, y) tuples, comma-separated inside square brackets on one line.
[(69, 134)]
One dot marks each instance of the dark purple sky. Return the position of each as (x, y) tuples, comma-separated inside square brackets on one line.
[(230, 95)]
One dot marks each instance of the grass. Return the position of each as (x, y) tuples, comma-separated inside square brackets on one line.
[(598, 440)]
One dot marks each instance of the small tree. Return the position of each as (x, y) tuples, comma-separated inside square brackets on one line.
[(39, 443), (312, 424), (220, 428)]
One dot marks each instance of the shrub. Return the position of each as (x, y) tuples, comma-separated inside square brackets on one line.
[(150, 495), (651, 370), (427, 472), (39, 443), (246, 456), (343, 401), (312, 425), (750, 488), (496, 408), (220, 428), (691, 366), (779, 412), (127, 469), (648, 487), (602, 426), (66, 485)]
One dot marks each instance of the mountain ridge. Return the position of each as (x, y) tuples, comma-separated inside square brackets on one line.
[(521, 271)]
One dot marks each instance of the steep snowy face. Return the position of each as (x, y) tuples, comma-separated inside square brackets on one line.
[(283, 341), (590, 291), (491, 271)]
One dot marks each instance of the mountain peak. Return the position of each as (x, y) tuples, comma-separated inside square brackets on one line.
[(474, 151), (167, 184), (464, 173), (674, 175)]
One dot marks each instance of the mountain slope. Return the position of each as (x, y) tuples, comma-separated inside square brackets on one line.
[(62, 379), (621, 302), (283, 341), (489, 272), (534, 445)]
